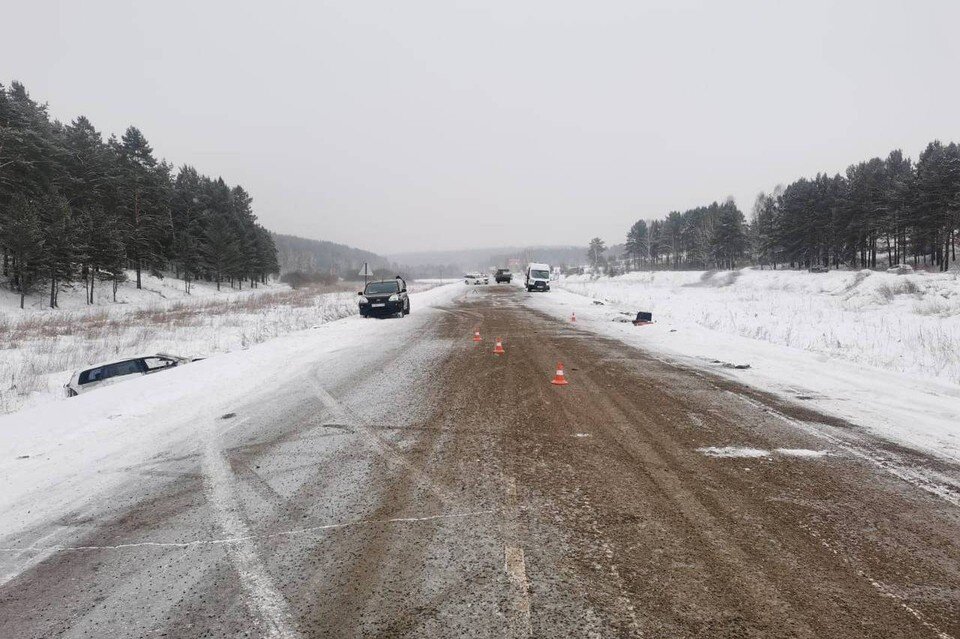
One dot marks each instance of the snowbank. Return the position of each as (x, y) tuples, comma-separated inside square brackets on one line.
[(908, 323)]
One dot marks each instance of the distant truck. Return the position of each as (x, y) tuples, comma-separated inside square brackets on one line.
[(503, 276), (537, 277)]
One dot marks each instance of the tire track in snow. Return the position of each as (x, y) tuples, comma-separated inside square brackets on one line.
[(342, 415), (262, 597)]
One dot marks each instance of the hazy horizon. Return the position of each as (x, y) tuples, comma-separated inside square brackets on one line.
[(473, 125)]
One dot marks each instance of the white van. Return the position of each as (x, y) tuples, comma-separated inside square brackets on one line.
[(106, 373), (538, 277)]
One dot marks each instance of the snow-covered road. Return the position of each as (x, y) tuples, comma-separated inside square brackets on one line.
[(393, 478)]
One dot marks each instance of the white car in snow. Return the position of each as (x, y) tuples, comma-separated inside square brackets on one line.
[(476, 278), (107, 373)]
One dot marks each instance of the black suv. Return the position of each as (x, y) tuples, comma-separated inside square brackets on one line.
[(384, 298), (503, 275)]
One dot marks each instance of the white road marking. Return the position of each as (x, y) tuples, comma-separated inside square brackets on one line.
[(516, 569), (514, 563)]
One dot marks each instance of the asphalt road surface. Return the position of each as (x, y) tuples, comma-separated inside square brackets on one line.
[(429, 488)]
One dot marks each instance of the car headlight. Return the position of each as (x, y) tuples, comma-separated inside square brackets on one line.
[(393, 298), (362, 300)]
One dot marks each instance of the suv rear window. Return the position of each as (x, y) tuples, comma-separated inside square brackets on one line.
[(92, 375), (118, 369), (129, 367)]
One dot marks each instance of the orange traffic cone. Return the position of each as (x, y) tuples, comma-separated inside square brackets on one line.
[(476, 336), (573, 317), (498, 349), (559, 379)]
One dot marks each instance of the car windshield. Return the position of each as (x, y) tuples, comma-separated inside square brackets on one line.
[(540, 275), (376, 288)]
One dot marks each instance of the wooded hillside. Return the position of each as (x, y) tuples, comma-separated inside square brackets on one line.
[(77, 209), (881, 211)]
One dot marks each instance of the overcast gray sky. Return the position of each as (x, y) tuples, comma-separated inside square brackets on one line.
[(445, 124)]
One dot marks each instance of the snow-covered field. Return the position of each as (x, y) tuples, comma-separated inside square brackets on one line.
[(907, 323), (881, 351), (40, 348)]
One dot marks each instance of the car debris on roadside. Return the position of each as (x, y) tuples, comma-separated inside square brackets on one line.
[(643, 318)]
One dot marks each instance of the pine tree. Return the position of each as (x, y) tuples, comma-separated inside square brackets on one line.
[(144, 192), (102, 248), (595, 253), (729, 236), (637, 244), (221, 251), (59, 250), (23, 239)]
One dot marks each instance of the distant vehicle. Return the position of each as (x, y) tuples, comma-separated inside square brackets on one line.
[(385, 298), (108, 373), (819, 269), (476, 278), (503, 276), (537, 277)]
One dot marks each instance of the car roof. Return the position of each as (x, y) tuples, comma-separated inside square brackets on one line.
[(127, 359)]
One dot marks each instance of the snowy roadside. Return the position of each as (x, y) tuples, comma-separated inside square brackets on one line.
[(42, 348), (908, 322), (919, 412), (55, 456)]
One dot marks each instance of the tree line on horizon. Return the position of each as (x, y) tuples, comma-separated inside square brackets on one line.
[(77, 209), (882, 211)]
